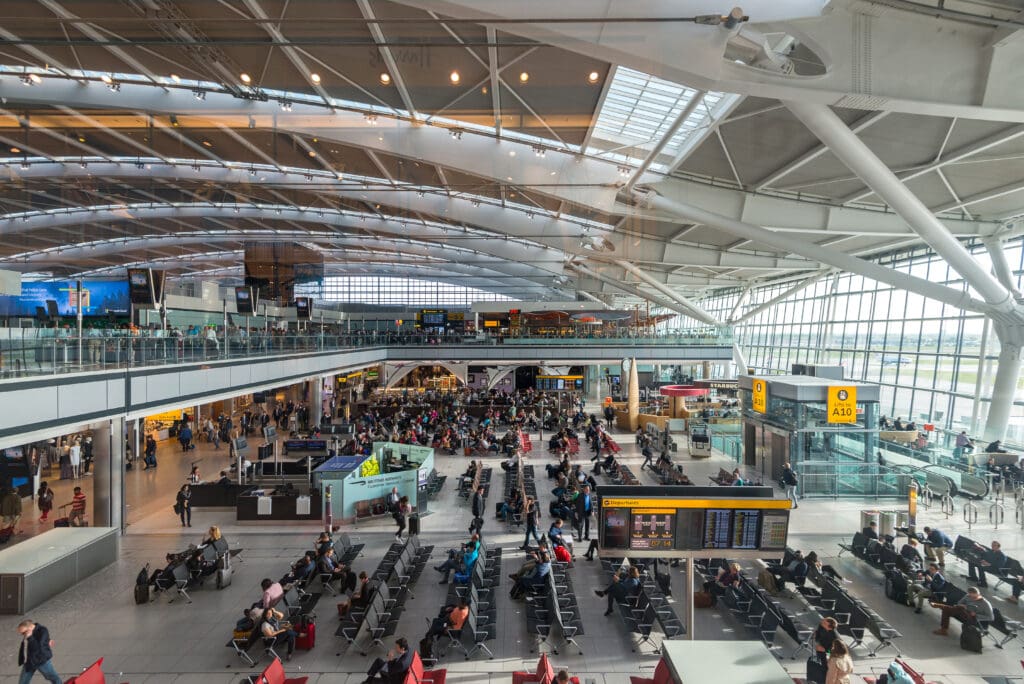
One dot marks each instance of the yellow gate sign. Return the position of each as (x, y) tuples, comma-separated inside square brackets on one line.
[(759, 395), (842, 404)]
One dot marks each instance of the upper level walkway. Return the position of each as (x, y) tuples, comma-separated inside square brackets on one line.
[(53, 383)]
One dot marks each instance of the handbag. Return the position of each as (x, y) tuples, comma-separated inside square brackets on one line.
[(177, 508)]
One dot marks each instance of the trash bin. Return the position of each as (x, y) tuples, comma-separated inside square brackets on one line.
[(868, 517), (887, 523), (414, 524)]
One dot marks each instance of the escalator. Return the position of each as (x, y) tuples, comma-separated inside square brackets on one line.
[(941, 479)]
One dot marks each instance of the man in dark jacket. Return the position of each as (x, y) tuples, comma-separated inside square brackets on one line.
[(478, 510), (789, 481), (35, 654), (584, 505), (992, 559), (394, 668)]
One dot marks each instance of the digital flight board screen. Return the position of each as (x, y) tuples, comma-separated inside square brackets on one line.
[(669, 524)]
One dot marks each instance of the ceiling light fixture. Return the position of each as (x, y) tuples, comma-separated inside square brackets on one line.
[(312, 153), (539, 151), (454, 77), (593, 76), (106, 78), (81, 138), (199, 94), (370, 119), (207, 143), (252, 121), (15, 150), (176, 78), (624, 171), (246, 78), (24, 164), (524, 77), (315, 78), (385, 78), (456, 133), (286, 105), (476, 203), (174, 120)]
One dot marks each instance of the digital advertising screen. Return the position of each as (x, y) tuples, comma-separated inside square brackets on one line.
[(245, 300), (99, 297), (303, 308), (145, 286), (615, 530)]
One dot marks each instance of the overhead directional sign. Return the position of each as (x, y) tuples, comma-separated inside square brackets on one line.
[(842, 404)]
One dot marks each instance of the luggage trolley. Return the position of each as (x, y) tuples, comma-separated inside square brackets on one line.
[(700, 440)]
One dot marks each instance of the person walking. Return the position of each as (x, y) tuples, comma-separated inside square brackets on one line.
[(183, 505), (789, 481), (44, 499), (584, 508), (10, 508), (532, 512), (150, 452), (477, 524), (36, 654), (401, 516)]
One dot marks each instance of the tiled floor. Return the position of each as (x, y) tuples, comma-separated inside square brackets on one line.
[(180, 642)]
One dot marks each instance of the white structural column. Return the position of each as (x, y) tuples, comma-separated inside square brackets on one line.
[(1004, 385), (853, 152), (108, 502)]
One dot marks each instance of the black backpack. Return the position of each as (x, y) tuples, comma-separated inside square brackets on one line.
[(970, 638)]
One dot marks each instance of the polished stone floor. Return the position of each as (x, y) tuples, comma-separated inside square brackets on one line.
[(180, 642)]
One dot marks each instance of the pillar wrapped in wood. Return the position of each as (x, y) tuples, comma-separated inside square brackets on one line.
[(633, 400)]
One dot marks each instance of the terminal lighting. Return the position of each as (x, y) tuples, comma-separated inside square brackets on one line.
[(385, 78), (454, 77), (593, 76), (199, 94), (315, 78), (246, 78)]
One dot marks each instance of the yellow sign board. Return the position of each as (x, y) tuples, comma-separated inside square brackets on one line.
[(782, 504), (842, 404), (759, 395)]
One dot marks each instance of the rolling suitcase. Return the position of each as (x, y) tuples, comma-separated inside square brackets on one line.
[(141, 593), (61, 522), (816, 672), (224, 577), (414, 523), (307, 636)]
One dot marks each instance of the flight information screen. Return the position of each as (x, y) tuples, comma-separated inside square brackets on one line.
[(716, 529), (616, 532), (745, 529), (773, 531)]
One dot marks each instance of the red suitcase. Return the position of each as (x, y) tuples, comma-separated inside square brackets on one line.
[(307, 637)]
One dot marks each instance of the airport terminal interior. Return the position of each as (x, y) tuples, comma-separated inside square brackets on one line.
[(494, 342)]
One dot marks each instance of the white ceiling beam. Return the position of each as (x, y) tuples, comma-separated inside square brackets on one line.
[(692, 307), (978, 146), (492, 68), (815, 152), (385, 52), (289, 51)]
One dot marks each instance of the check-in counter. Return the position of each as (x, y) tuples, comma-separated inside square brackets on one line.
[(213, 495), (251, 507), (45, 565)]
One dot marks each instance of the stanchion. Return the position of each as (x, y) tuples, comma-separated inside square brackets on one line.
[(926, 497), (970, 514), (999, 490), (996, 514), (947, 505), (1019, 512)]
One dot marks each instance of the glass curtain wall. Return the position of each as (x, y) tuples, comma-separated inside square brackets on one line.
[(391, 291), (926, 355)]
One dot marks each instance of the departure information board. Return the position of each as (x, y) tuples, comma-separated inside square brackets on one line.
[(667, 524)]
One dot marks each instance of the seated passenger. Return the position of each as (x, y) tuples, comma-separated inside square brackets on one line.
[(534, 578), (450, 617), (728, 578), (871, 531), (558, 536), (621, 588), (282, 632), (461, 559), (273, 592), (910, 552), (329, 565), (972, 609), (301, 570)]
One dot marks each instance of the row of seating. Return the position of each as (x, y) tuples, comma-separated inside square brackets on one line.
[(649, 609), (481, 478), (478, 590), (759, 611), (296, 603), (189, 569), (971, 551), (900, 573), (553, 607), (398, 570), (519, 477), (544, 674), (345, 553), (434, 484), (625, 476)]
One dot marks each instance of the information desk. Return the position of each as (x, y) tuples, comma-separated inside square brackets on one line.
[(278, 508), (700, 662), (45, 565)]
